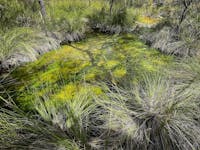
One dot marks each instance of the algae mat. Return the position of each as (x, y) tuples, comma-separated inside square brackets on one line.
[(75, 69)]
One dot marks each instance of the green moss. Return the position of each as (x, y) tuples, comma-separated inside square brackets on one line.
[(60, 74)]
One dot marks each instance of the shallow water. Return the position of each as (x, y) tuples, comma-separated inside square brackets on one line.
[(78, 68)]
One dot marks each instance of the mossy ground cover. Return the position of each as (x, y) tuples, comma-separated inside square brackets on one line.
[(76, 68)]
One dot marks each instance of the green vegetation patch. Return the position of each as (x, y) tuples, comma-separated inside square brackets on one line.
[(63, 73)]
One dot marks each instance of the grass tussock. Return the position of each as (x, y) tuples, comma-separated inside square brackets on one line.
[(152, 115), (21, 41), (187, 75), (20, 131), (73, 117)]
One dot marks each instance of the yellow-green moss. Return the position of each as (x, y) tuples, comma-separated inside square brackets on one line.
[(110, 64), (119, 73), (90, 77), (66, 93), (71, 92), (62, 73)]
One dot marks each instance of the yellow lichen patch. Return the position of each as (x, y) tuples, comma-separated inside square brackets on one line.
[(148, 20)]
